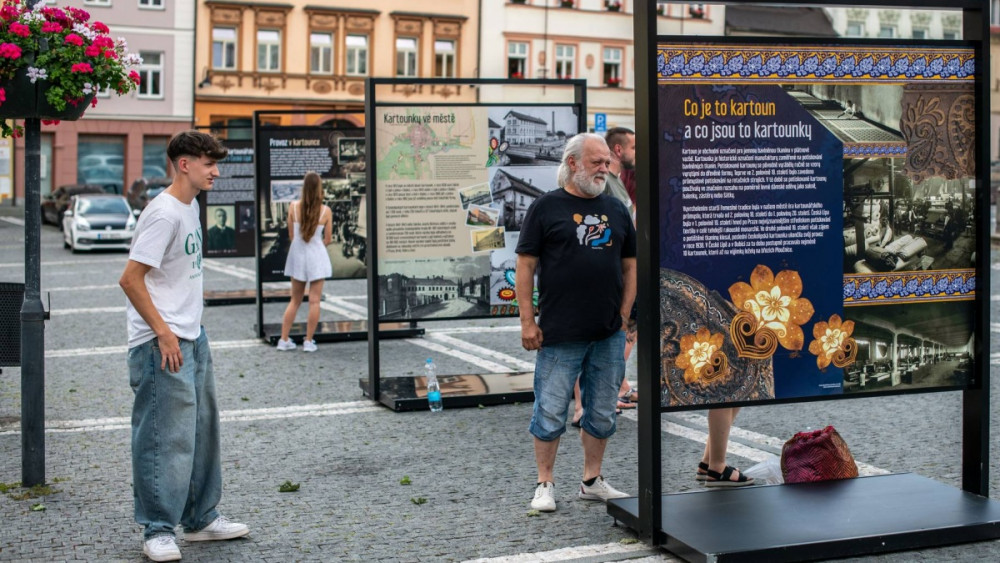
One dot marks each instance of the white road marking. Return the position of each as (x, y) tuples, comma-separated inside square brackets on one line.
[(123, 422), (491, 367), (82, 287), (107, 350), (13, 220), (344, 304), (579, 552), (444, 338), (342, 310), (90, 311), (120, 260)]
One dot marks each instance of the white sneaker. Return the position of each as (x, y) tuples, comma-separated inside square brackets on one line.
[(545, 497), (600, 490), (161, 548), (284, 345), (220, 529), (308, 345)]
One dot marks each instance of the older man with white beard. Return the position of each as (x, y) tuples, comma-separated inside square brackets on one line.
[(582, 245)]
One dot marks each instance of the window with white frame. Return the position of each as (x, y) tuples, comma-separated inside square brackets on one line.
[(444, 58), (887, 31), (855, 29), (96, 2), (224, 48), (613, 66), (151, 75), (157, 4), (321, 53), (920, 33), (517, 59), (357, 55), (406, 56), (268, 50), (565, 57)]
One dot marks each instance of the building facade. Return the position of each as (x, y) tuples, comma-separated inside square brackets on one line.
[(572, 39), (125, 137), (301, 56)]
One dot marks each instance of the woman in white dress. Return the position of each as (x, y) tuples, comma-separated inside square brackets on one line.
[(310, 230)]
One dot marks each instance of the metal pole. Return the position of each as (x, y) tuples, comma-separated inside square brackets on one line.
[(32, 317)]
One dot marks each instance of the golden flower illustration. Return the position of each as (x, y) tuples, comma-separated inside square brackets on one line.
[(833, 342), (775, 304), (701, 356)]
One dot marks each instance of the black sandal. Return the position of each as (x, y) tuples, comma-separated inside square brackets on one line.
[(724, 479), (702, 473)]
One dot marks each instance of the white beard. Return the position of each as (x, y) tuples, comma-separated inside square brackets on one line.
[(587, 184)]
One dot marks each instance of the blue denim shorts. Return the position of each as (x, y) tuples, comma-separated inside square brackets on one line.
[(600, 366)]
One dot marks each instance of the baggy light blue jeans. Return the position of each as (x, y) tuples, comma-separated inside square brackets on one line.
[(176, 465), (600, 365)]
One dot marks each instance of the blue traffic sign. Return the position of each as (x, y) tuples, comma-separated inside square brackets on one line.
[(600, 122)]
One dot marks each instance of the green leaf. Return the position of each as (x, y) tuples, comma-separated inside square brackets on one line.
[(37, 507), (288, 487), (533, 512), (418, 500), (405, 480)]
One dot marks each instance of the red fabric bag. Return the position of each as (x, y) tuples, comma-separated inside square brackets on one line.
[(820, 455)]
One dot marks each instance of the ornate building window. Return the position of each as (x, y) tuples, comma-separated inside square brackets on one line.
[(517, 59), (268, 50), (565, 61), (321, 53), (224, 48), (357, 55)]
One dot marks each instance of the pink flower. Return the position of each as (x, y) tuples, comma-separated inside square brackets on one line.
[(93, 102), (8, 12), (51, 27), (80, 15), (20, 29), (74, 39), (92, 51), (104, 42), (82, 67), (133, 76), (109, 54), (10, 51), (99, 27), (3, 95), (50, 122)]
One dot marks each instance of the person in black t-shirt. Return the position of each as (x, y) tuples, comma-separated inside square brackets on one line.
[(581, 243)]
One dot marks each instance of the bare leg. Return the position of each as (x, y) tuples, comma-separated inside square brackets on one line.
[(720, 421), (315, 295), (593, 454), (545, 458), (298, 290)]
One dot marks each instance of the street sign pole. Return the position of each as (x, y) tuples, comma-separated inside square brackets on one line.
[(32, 317)]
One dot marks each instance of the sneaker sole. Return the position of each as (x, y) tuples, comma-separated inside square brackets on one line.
[(211, 536), (172, 557), (543, 509)]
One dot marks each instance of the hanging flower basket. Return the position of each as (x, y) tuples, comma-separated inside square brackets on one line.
[(26, 100), (54, 60)]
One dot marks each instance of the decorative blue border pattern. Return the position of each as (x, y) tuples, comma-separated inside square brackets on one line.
[(874, 150), (788, 64), (905, 287)]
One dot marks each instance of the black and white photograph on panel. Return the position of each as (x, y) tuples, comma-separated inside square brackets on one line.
[(515, 188), (478, 194), (435, 288), (530, 135), (350, 149), (911, 346)]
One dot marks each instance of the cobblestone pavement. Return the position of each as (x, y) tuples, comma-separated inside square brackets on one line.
[(302, 418)]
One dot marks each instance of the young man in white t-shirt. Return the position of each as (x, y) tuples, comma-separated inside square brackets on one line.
[(176, 467)]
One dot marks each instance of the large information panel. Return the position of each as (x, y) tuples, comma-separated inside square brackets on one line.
[(452, 185), (336, 152), (817, 232), (227, 214)]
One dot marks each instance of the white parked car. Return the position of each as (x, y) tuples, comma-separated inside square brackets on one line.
[(98, 221)]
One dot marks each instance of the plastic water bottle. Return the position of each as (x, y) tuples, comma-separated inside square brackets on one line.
[(433, 387)]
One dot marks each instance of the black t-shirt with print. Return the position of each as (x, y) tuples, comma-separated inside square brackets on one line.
[(580, 244)]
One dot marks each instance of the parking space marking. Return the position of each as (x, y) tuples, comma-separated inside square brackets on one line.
[(91, 310), (492, 367), (242, 415), (580, 552), (106, 350), (445, 339), (120, 260)]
